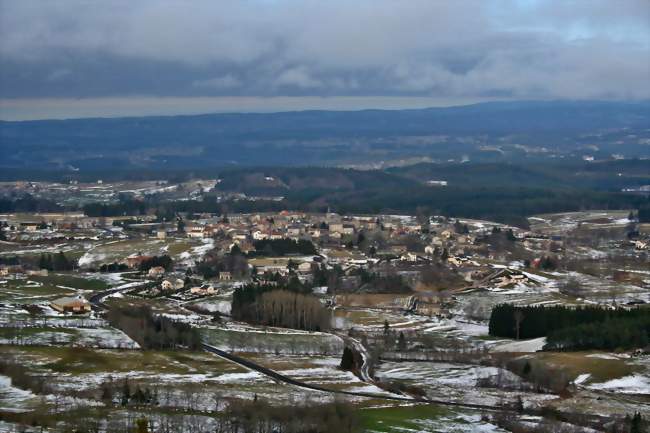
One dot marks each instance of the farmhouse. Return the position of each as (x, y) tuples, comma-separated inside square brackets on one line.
[(75, 304)]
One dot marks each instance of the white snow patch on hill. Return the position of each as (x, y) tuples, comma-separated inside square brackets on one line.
[(534, 345), (634, 384)]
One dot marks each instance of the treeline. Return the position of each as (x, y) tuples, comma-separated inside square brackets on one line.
[(154, 331), (113, 267), (271, 305), (27, 203), (643, 214), (282, 247), (353, 191), (509, 205), (573, 328), (123, 207), (622, 333), (164, 261), (56, 262)]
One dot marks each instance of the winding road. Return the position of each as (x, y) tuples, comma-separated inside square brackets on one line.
[(96, 301)]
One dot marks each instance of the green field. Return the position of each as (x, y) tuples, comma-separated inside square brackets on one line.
[(574, 364), (30, 291), (400, 418), (72, 281), (75, 360)]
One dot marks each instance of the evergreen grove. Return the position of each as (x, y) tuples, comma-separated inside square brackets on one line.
[(567, 328)]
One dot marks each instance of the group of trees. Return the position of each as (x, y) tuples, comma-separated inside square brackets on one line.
[(56, 262), (573, 328), (9, 260), (128, 394), (360, 279), (215, 262), (123, 207), (21, 376), (164, 261), (152, 331), (113, 267), (27, 203), (621, 333), (643, 214), (390, 283), (274, 305), (282, 247)]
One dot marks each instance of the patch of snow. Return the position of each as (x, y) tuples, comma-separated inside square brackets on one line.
[(582, 378), (527, 346), (634, 384)]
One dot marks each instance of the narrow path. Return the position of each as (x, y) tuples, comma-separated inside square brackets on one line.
[(96, 299)]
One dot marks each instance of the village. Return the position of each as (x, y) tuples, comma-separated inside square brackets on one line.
[(410, 298)]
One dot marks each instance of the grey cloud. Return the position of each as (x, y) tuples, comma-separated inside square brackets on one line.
[(470, 48), (298, 77), (227, 81)]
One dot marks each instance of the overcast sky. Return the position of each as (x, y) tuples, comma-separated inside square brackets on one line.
[(72, 58)]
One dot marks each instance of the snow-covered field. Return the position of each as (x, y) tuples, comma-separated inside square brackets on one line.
[(533, 345), (458, 382), (109, 338), (13, 399), (242, 338)]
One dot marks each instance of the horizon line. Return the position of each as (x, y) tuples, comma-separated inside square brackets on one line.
[(17, 110)]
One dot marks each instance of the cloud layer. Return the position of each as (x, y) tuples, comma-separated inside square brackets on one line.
[(523, 49)]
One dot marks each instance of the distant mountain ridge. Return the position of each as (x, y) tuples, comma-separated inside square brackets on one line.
[(492, 131)]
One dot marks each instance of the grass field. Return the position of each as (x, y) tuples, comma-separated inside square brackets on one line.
[(118, 250), (400, 418), (72, 281), (85, 360), (30, 291), (577, 363), (273, 342)]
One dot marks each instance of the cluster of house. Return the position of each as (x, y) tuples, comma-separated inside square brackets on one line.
[(385, 238)]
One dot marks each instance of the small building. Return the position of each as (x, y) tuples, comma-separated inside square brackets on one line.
[(161, 234), (74, 304), (225, 276)]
